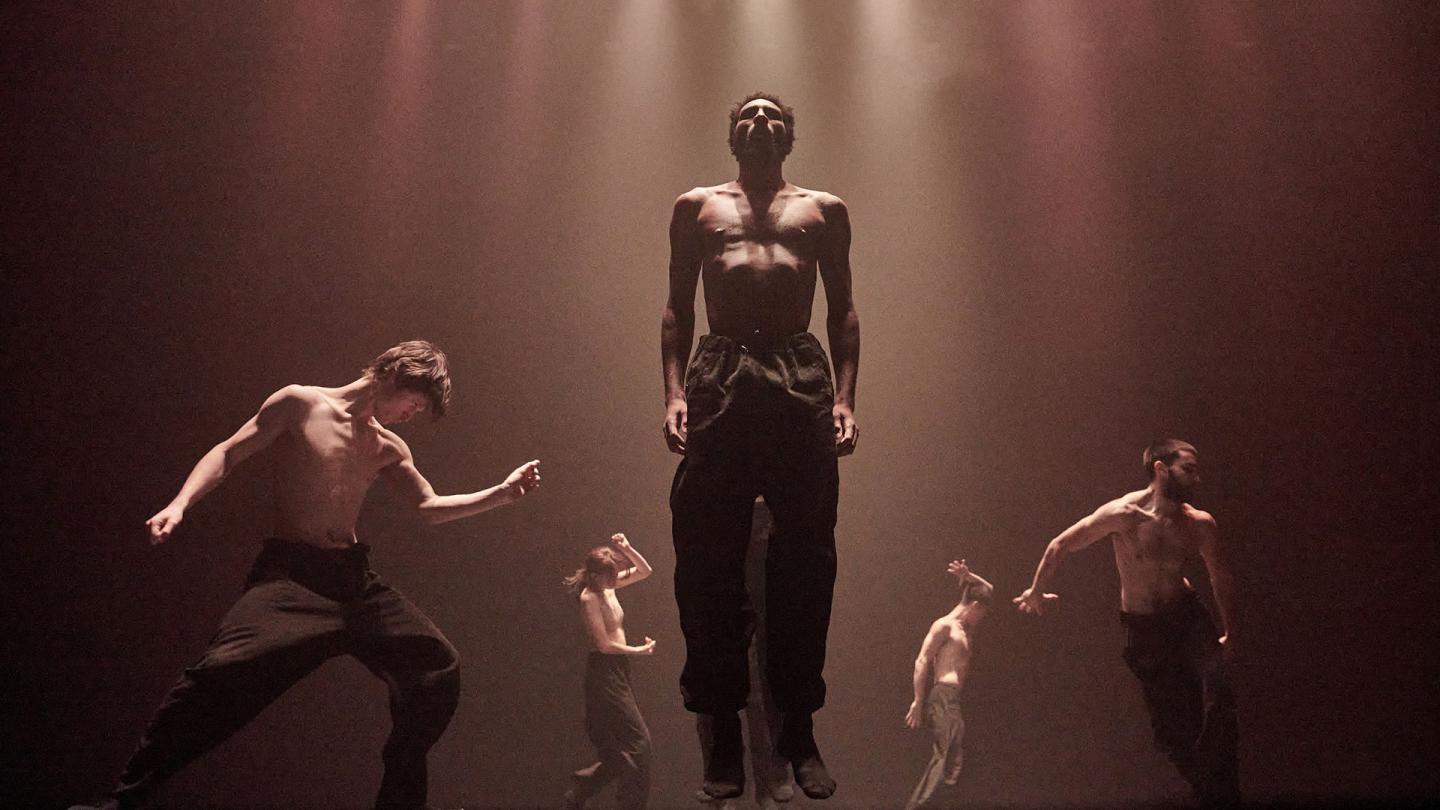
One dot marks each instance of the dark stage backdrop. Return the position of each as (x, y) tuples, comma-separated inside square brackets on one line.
[(1078, 226)]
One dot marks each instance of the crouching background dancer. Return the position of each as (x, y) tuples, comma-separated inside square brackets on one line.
[(612, 718), (311, 594), (1171, 643), (940, 671)]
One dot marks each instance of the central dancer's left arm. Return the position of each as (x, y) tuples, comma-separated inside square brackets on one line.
[(842, 324)]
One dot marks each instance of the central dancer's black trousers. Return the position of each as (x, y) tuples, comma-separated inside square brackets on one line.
[(302, 606), (759, 423)]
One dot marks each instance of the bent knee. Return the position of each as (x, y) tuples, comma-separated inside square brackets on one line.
[(446, 682), (440, 686), (441, 667), (446, 656)]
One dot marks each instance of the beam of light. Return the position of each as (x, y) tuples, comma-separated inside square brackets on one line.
[(771, 39), (405, 85), (398, 133), (308, 59), (1065, 174), (1237, 85), (521, 110), (641, 54)]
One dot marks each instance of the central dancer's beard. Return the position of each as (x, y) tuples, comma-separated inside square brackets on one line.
[(766, 146)]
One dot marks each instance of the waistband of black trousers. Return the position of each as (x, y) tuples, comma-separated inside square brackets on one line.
[(316, 555), (757, 340), (1176, 611)]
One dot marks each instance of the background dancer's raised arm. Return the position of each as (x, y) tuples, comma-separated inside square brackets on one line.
[(973, 587), (639, 568)]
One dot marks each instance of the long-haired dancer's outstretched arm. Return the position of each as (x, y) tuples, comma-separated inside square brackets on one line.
[(281, 411)]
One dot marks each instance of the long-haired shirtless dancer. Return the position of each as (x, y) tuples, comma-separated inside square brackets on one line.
[(1171, 642), (311, 594), (940, 670), (755, 412), (612, 718)]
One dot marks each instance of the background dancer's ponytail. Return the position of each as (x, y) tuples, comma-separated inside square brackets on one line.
[(602, 566)]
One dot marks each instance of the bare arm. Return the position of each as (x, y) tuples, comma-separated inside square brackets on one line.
[(1102, 522), (640, 567), (978, 587), (842, 324), (593, 615), (920, 681), (972, 585), (1222, 582), (433, 509), (677, 322), (281, 411)]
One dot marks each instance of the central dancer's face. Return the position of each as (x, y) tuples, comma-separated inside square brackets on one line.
[(760, 129)]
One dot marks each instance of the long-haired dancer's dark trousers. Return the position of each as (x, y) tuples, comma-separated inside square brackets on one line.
[(302, 606)]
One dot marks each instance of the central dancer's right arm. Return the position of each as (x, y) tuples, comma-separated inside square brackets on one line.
[(677, 322)]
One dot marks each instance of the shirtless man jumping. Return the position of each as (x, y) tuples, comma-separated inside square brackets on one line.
[(940, 671), (311, 594), (1172, 645), (756, 413)]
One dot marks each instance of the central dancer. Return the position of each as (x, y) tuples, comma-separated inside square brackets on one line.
[(757, 412)]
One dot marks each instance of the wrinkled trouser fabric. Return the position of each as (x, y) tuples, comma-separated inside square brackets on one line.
[(302, 606), (1176, 656), (942, 709), (762, 719), (759, 423), (618, 732)]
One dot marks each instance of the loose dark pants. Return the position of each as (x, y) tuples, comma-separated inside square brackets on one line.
[(770, 771), (942, 708), (302, 606), (1176, 656), (759, 424), (618, 732)]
